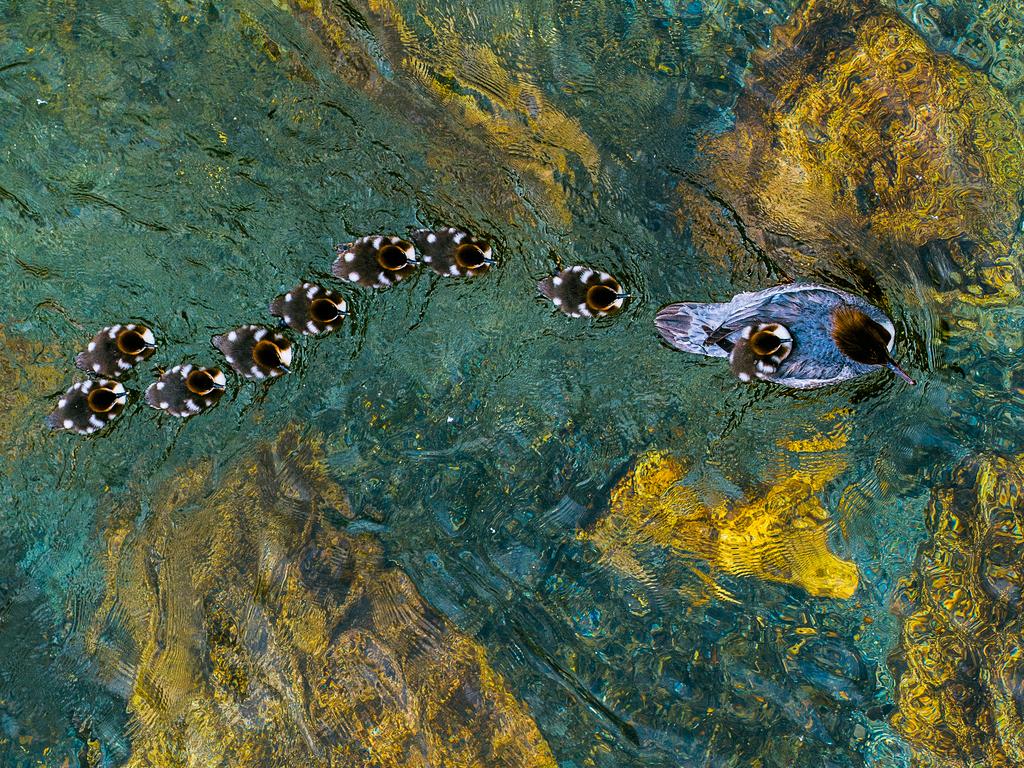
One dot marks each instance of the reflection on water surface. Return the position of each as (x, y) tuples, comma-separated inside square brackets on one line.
[(467, 530)]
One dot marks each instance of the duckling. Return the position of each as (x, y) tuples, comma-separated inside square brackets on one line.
[(801, 336), (116, 349), (88, 406), (186, 390), (310, 309), (584, 292), (375, 261), (451, 251), (759, 350), (255, 352)]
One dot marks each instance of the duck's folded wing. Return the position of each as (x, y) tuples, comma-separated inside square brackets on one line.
[(783, 306), (704, 329)]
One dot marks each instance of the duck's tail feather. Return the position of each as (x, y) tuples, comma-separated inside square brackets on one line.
[(686, 326), (547, 287)]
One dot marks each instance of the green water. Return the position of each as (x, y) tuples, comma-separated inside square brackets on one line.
[(159, 166)]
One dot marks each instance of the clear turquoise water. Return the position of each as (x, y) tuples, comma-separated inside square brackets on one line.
[(158, 166)]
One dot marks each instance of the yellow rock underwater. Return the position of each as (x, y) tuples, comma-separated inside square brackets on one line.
[(247, 628), (503, 114), (778, 534), (856, 144), (959, 664), (30, 372)]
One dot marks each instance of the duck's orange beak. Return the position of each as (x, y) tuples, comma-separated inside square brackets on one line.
[(894, 366)]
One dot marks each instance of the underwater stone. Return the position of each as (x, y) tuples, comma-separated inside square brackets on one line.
[(778, 533), (250, 630), (958, 668), (501, 116), (856, 145)]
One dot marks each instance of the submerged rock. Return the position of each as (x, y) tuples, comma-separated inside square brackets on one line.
[(958, 665), (778, 533), (503, 114), (247, 628), (858, 149)]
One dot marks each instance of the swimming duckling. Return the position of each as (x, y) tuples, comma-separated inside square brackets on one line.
[(451, 251), (255, 352), (375, 261), (801, 336), (88, 406), (115, 350), (583, 292), (185, 390), (310, 309)]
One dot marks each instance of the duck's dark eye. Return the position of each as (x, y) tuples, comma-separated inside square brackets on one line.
[(130, 342), (267, 354), (324, 310), (200, 382), (601, 297), (469, 256), (101, 400), (393, 256)]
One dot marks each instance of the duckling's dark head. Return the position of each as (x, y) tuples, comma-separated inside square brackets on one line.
[(270, 355), (864, 340), (771, 340), (395, 256), (135, 340), (473, 255), (325, 310), (203, 381), (605, 297), (102, 399)]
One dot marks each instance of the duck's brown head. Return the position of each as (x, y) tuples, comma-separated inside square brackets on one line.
[(864, 340)]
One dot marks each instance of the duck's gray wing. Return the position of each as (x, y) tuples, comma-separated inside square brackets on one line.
[(784, 305)]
